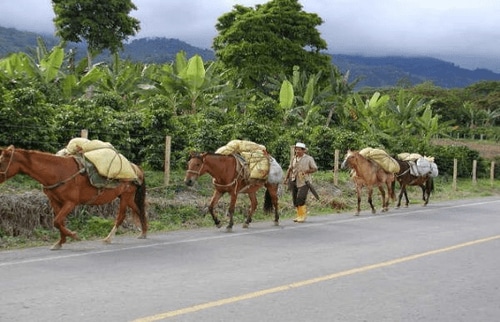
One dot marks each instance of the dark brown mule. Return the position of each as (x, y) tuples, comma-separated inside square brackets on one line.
[(66, 185), (228, 177), (367, 173), (405, 179)]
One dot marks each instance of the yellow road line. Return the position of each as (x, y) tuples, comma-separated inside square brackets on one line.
[(286, 287)]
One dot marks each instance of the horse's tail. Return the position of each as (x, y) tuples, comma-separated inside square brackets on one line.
[(268, 202), (140, 201)]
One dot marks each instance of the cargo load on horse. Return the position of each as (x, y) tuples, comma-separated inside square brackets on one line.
[(420, 165), (382, 158), (101, 159), (255, 155)]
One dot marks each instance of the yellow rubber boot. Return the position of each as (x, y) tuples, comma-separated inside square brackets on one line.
[(298, 215), (302, 213)]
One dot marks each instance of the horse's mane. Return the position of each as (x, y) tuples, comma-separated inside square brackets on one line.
[(38, 152)]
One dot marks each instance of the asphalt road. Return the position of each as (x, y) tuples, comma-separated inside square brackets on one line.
[(434, 263)]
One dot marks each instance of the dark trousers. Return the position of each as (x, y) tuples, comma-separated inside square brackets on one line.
[(299, 195)]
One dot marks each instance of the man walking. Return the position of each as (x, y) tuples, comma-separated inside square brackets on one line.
[(298, 176)]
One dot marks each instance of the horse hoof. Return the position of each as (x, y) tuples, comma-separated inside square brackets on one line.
[(106, 241), (356, 214), (229, 229), (276, 223), (56, 247), (219, 225), (245, 225), (142, 236)]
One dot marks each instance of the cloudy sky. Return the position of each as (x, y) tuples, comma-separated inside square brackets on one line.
[(464, 32)]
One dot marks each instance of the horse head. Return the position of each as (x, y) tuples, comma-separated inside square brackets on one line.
[(6, 157), (194, 166), (348, 159)]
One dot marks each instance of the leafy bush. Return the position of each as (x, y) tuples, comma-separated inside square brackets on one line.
[(327, 140), (27, 120)]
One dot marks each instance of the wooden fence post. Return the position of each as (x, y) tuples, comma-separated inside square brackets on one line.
[(455, 166), (168, 143), (336, 167), (492, 172), (474, 172)]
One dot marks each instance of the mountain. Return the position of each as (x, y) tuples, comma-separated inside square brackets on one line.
[(161, 50), (373, 72), (13, 40), (389, 71)]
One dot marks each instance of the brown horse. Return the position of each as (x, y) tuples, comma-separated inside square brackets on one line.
[(367, 173), (228, 176), (405, 178), (66, 184)]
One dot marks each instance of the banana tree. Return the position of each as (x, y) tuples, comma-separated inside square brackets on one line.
[(302, 98), (368, 115), (22, 66), (340, 88), (189, 80), (121, 77)]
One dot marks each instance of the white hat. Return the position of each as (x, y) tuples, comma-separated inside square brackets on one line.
[(300, 145)]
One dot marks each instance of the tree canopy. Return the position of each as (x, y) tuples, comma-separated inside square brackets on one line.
[(269, 40), (103, 24)]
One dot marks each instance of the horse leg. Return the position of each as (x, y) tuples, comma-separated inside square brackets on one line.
[(393, 188), (253, 205), (232, 205), (358, 192), (426, 193), (274, 198), (385, 201), (390, 192), (120, 217), (401, 192), (59, 222), (407, 201), (139, 219), (211, 208), (370, 200)]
